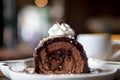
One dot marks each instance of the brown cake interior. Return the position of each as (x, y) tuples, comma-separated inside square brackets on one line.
[(60, 55)]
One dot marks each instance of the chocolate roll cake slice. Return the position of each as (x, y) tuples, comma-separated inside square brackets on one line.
[(60, 55)]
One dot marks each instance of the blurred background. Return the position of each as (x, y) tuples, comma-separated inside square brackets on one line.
[(23, 24)]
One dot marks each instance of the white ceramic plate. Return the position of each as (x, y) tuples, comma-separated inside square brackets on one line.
[(100, 76), (96, 63), (21, 63), (15, 75), (18, 65)]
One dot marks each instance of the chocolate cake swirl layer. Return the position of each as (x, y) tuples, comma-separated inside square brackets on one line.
[(60, 55)]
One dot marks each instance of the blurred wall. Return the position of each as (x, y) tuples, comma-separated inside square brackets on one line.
[(84, 16), (78, 12)]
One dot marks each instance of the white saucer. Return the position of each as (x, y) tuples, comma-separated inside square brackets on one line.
[(15, 75), (21, 63), (96, 63)]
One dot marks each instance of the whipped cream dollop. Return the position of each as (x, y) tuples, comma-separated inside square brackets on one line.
[(62, 29)]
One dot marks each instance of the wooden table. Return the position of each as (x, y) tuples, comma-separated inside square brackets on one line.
[(4, 78)]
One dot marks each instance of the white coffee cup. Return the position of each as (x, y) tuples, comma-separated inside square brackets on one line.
[(96, 45)]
